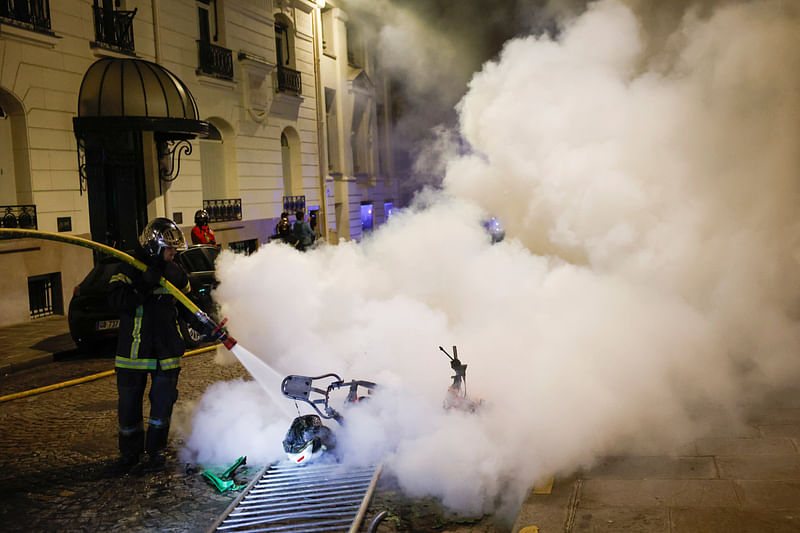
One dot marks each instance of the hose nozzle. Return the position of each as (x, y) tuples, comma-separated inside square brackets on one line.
[(216, 331)]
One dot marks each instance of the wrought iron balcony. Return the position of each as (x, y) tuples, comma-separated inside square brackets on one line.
[(223, 210), (114, 29), (215, 60), (31, 14), (289, 81), (18, 216)]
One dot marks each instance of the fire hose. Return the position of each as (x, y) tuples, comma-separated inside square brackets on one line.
[(216, 329)]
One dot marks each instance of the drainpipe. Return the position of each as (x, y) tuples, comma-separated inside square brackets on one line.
[(316, 23)]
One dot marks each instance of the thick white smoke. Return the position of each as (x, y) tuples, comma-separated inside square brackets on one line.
[(649, 276)]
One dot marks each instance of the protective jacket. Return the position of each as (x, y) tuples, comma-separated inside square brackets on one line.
[(203, 235), (149, 336)]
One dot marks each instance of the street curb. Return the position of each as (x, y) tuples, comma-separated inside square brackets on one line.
[(29, 362)]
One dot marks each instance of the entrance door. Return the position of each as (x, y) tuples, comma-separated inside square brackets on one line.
[(116, 188)]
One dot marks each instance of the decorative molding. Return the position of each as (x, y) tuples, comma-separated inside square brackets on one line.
[(11, 31), (213, 81), (258, 83), (254, 63), (303, 36), (262, 16), (305, 6), (285, 105), (101, 51), (291, 99)]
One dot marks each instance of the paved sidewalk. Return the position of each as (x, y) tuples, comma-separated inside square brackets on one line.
[(733, 480), (33, 343)]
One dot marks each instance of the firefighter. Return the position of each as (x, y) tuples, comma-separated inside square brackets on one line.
[(149, 343), (201, 233)]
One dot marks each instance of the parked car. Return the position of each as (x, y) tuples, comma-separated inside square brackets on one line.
[(92, 321)]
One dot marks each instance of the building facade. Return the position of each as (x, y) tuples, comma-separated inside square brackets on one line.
[(279, 105)]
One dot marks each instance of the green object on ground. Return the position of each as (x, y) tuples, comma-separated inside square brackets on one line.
[(239, 462), (222, 484)]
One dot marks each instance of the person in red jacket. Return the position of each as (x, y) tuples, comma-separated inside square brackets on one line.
[(201, 233)]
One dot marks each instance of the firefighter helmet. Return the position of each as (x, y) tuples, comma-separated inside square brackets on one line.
[(161, 233), (201, 217)]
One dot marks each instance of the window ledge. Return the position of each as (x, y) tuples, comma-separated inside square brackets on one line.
[(104, 50), (289, 98), (208, 79), (255, 64), (9, 30)]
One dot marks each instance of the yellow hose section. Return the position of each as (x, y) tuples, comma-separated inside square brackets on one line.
[(15, 233), (84, 379)]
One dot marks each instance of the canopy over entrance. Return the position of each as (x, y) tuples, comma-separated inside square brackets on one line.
[(134, 94)]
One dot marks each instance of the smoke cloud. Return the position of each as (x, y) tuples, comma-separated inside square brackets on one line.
[(647, 287)]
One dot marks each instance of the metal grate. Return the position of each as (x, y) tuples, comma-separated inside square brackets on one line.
[(289, 498), (44, 295)]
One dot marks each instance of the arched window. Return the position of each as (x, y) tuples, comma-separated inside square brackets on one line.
[(284, 42), (290, 163), (15, 177), (218, 163)]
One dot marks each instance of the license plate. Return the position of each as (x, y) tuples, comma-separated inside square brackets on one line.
[(107, 324)]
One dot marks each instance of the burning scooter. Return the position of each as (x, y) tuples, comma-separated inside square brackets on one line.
[(308, 439), (456, 397)]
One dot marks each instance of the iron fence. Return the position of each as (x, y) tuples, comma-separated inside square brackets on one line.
[(34, 14), (289, 80), (19, 216), (115, 28)]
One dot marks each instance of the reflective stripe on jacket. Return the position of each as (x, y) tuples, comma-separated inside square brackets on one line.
[(149, 336)]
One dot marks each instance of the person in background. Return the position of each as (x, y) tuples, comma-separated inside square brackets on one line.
[(201, 233), (283, 230), (149, 342), (302, 232), (312, 223)]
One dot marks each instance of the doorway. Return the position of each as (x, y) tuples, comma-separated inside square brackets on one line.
[(116, 188)]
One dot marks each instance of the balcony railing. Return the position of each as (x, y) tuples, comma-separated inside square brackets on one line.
[(32, 14), (114, 29), (223, 210), (289, 81), (18, 216), (215, 60)]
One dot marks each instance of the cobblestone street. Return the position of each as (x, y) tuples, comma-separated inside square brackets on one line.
[(57, 456)]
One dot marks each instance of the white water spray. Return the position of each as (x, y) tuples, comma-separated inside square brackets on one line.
[(264, 374)]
